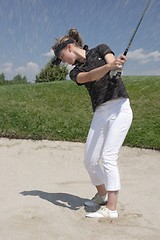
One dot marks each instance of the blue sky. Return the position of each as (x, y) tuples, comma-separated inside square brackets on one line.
[(28, 29)]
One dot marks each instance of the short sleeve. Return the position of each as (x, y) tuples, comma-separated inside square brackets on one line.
[(73, 75), (104, 49)]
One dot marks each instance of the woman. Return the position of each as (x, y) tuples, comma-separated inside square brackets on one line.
[(111, 120)]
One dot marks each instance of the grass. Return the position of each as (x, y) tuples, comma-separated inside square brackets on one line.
[(62, 111), (54, 111), (145, 100)]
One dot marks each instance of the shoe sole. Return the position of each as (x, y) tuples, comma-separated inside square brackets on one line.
[(96, 204)]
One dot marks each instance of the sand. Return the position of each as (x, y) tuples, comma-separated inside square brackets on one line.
[(44, 185)]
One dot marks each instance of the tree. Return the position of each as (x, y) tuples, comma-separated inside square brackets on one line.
[(2, 79), (52, 73), (19, 79)]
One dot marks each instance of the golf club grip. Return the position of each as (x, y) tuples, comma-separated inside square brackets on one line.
[(125, 52), (119, 73)]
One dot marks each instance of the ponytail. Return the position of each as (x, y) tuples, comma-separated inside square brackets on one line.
[(74, 34)]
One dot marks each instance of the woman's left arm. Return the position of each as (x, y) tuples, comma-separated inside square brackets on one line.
[(110, 58), (112, 63)]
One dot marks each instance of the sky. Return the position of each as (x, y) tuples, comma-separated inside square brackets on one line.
[(28, 29)]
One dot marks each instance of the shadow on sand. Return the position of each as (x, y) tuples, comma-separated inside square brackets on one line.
[(60, 199)]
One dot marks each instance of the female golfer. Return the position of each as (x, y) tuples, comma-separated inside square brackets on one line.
[(111, 120)]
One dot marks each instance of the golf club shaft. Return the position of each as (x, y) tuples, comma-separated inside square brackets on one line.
[(118, 73), (130, 42)]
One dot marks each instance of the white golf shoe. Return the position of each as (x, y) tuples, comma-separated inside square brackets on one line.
[(103, 212)]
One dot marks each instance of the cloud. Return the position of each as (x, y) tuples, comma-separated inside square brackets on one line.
[(29, 70), (7, 67), (49, 54), (69, 68), (143, 56)]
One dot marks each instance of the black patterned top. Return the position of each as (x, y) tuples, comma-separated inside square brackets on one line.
[(104, 89)]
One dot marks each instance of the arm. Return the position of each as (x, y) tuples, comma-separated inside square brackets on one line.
[(97, 73)]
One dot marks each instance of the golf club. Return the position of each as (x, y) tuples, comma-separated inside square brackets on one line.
[(118, 73)]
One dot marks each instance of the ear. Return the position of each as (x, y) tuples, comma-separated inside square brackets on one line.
[(69, 46)]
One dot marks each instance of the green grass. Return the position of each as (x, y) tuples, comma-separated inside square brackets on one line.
[(55, 111), (145, 101), (62, 111)]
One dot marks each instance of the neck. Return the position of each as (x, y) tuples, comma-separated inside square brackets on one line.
[(81, 54)]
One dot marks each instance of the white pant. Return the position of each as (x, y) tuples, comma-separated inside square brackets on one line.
[(109, 127)]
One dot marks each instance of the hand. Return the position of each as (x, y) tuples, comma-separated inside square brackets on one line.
[(117, 66), (118, 63)]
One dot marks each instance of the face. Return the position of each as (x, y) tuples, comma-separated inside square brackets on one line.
[(67, 55)]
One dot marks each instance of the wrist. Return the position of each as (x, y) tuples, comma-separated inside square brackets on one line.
[(108, 67)]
